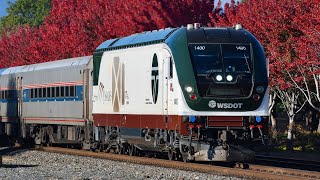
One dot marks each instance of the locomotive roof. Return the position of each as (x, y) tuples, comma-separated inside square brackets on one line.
[(144, 38), (78, 61), (201, 35)]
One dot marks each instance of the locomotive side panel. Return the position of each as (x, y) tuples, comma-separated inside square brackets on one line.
[(131, 84)]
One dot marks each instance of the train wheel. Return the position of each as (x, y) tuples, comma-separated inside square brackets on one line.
[(185, 157), (132, 150), (171, 155), (119, 149)]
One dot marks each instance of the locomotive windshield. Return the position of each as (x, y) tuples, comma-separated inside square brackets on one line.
[(222, 69)]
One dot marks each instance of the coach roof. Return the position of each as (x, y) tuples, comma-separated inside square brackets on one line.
[(78, 61)]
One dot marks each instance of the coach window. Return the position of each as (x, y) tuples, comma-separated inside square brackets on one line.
[(44, 91), (40, 93), (57, 91), (53, 92), (62, 91), (48, 92), (72, 91), (31, 93), (36, 94), (0, 94), (67, 91)]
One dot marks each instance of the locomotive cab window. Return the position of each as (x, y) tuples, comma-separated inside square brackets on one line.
[(219, 68), (171, 68), (236, 58), (206, 59)]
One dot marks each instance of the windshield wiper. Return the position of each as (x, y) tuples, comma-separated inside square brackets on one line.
[(247, 63), (208, 75)]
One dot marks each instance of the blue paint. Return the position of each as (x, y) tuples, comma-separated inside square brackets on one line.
[(192, 119), (258, 119), (26, 98)]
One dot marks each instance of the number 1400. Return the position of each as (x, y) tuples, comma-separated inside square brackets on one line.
[(199, 48)]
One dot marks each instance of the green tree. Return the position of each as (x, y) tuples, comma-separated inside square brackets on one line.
[(25, 12)]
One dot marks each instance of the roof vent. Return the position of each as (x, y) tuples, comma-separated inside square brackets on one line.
[(189, 26), (196, 25), (238, 27)]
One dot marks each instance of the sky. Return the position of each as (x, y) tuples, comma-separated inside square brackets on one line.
[(4, 5)]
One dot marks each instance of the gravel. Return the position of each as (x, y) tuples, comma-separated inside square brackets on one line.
[(43, 165)]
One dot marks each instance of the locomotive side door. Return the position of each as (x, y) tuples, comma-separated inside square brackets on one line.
[(167, 85)]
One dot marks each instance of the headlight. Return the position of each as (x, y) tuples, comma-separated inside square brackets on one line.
[(229, 78), (219, 78), (260, 89), (189, 89)]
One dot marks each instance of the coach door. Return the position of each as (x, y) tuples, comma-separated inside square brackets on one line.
[(86, 102), (20, 95)]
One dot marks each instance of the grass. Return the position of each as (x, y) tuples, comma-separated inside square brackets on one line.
[(303, 141)]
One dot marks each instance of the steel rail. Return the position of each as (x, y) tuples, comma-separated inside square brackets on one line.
[(301, 164), (254, 171)]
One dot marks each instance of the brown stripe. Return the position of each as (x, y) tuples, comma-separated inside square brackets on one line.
[(138, 121)]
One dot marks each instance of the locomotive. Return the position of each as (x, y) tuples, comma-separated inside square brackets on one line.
[(193, 93)]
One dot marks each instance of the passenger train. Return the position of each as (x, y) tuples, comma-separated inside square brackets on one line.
[(193, 93)]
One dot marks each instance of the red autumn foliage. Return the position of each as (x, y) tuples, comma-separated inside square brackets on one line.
[(76, 27), (288, 30)]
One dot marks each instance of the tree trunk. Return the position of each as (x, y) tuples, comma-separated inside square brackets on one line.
[(290, 128), (273, 127), (290, 134), (291, 122)]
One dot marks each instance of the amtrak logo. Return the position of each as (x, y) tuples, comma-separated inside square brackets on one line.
[(155, 78), (212, 104)]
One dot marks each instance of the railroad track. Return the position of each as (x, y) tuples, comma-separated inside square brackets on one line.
[(300, 164), (254, 171)]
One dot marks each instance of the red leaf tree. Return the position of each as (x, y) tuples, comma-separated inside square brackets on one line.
[(76, 27), (289, 32)]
